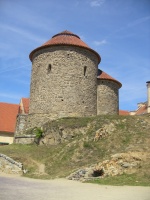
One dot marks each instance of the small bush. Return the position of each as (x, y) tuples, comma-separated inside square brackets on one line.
[(38, 132)]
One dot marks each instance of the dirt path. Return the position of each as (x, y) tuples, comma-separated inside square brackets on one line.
[(30, 189)]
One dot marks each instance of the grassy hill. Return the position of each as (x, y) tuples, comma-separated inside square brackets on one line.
[(80, 147)]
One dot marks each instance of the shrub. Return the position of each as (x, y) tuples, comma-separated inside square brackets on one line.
[(38, 132)]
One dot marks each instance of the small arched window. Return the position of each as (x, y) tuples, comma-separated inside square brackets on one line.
[(85, 69), (49, 68)]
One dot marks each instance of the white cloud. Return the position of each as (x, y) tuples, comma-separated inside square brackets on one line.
[(22, 32), (138, 21), (96, 3), (98, 43), (23, 14), (128, 26), (76, 3)]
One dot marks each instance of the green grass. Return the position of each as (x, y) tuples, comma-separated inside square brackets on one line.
[(81, 150), (87, 145), (124, 179), (69, 122)]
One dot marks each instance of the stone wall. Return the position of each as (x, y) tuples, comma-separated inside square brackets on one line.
[(6, 137), (21, 124), (38, 119), (107, 97), (9, 166), (148, 96), (120, 163), (63, 83), (24, 139)]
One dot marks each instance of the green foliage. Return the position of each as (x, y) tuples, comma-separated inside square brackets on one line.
[(68, 122), (38, 132), (87, 145), (126, 139), (81, 150), (124, 179)]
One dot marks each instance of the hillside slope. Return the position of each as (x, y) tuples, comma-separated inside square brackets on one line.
[(70, 144)]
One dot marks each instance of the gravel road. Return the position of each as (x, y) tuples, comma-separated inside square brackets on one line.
[(19, 188)]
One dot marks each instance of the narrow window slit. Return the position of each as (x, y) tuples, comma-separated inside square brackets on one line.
[(49, 68), (85, 68)]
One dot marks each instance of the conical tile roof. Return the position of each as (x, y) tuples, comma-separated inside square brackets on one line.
[(103, 76), (65, 38)]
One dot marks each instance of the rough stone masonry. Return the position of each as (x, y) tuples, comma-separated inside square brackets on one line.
[(65, 82)]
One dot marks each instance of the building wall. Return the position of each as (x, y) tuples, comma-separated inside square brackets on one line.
[(63, 83), (107, 97), (6, 137), (24, 139), (21, 124), (148, 97), (10, 166)]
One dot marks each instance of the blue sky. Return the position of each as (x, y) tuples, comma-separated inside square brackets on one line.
[(119, 30)]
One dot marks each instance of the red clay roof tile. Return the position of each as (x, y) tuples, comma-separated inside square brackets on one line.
[(124, 112), (141, 110), (8, 114), (65, 38), (25, 102), (104, 76)]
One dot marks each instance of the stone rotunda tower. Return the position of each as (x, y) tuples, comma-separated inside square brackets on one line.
[(64, 79), (107, 94)]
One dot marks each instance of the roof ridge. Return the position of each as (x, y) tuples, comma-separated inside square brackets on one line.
[(66, 32)]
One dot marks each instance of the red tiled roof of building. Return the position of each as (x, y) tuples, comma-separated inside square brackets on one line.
[(104, 76), (25, 102), (8, 114), (124, 112), (65, 38), (141, 110)]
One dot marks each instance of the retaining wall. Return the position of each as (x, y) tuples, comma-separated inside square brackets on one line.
[(10, 166)]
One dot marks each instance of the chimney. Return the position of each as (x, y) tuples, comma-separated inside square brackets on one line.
[(148, 96)]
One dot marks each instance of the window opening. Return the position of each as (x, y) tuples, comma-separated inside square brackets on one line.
[(85, 68), (49, 68)]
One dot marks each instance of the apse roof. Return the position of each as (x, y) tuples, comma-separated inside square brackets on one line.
[(65, 38), (104, 76)]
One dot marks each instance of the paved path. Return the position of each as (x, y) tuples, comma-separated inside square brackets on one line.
[(18, 188)]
